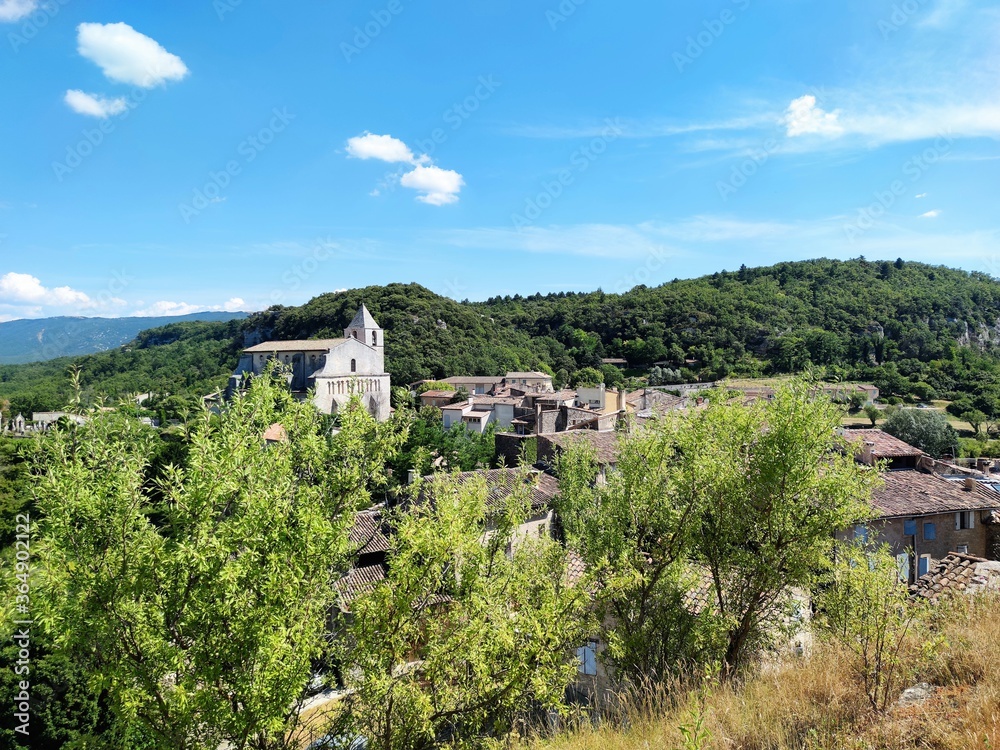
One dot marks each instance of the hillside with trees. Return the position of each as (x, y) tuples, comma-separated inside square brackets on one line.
[(916, 331)]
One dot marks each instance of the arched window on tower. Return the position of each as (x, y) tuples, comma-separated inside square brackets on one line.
[(354, 365), (374, 338)]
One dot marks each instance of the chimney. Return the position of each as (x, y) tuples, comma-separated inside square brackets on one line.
[(868, 453), (983, 465), (970, 483), (411, 476)]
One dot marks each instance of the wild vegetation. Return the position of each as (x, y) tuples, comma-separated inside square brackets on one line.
[(916, 331), (184, 589)]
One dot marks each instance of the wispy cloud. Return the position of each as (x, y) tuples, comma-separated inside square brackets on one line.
[(15, 10), (707, 237), (165, 308), (94, 105)]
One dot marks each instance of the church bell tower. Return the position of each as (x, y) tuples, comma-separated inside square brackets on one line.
[(367, 331)]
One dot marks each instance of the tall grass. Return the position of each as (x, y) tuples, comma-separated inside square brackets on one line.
[(817, 702)]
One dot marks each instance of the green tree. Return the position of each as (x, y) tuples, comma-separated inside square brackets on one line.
[(975, 418), (473, 628), (866, 607), (588, 377), (926, 429), (741, 499), (635, 534), (435, 385), (198, 598), (873, 413), (776, 490)]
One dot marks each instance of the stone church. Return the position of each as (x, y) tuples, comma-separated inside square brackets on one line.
[(336, 369)]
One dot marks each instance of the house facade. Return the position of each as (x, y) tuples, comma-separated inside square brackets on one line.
[(925, 509)]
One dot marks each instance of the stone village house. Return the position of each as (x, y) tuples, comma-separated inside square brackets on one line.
[(927, 509)]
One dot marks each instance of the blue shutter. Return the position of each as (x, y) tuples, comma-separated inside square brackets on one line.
[(923, 565), (910, 527), (930, 531)]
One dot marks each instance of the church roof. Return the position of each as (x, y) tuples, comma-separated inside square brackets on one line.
[(306, 345), (363, 319)]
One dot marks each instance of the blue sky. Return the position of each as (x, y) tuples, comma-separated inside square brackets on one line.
[(160, 158)]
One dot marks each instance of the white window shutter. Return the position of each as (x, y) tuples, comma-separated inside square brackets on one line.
[(958, 521)]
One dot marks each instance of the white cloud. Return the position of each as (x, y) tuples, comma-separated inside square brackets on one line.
[(24, 288), (920, 195), (94, 105), (15, 10), (592, 240), (384, 148), (712, 242), (164, 308), (943, 12), (930, 214), (803, 117), (127, 56), (438, 186)]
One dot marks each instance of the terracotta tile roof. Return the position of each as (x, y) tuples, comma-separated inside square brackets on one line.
[(307, 345), (478, 379), (275, 434), (358, 581), (604, 443), (911, 492), (527, 375), (700, 594), (438, 394), (563, 395), (886, 446), (957, 573), (576, 568), (501, 484), (368, 534), (634, 396), (490, 400)]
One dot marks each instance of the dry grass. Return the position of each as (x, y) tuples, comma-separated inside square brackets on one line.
[(817, 703)]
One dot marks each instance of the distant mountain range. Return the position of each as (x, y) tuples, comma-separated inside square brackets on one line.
[(43, 339)]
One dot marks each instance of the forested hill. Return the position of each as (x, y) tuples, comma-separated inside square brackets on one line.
[(911, 328), (776, 319), (39, 339)]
